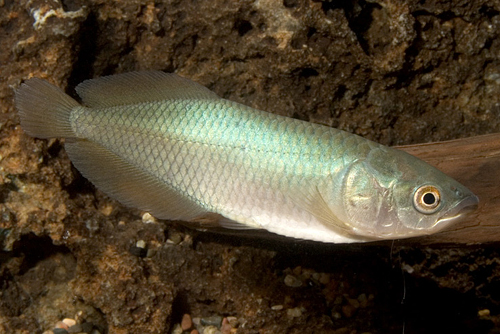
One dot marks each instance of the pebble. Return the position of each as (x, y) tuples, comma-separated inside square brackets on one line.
[(409, 269), (187, 241), (92, 225), (186, 322), (174, 238), (307, 273), (292, 281), (75, 329), (324, 278), (294, 312), (207, 325), (177, 329), (233, 321), (353, 302), (61, 324), (69, 322), (277, 307), (483, 313), (348, 310), (338, 300), (148, 219), (211, 330), (211, 321), (336, 315), (151, 252), (79, 316), (363, 300), (87, 327), (107, 210), (59, 331), (140, 244), (137, 251), (226, 327), (297, 270), (69, 326)]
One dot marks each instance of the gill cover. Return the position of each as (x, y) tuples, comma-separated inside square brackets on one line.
[(391, 194), (368, 201)]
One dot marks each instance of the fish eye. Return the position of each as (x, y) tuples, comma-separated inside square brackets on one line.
[(426, 199)]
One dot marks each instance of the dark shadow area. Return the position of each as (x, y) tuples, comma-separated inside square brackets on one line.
[(180, 306), (86, 48), (359, 16), (21, 282), (431, 309), (412, 303), (34, 249)]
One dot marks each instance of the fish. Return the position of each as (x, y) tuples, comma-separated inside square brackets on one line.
[(166, 145)]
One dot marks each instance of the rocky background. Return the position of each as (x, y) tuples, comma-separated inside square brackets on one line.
[(397, 72)]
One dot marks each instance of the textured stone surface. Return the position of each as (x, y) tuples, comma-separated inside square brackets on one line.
[(398, 72)]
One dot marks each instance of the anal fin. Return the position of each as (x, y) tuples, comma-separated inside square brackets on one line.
[(211, 219), (129, 184)]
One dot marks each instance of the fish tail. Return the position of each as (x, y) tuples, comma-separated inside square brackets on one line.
[(44, 109)]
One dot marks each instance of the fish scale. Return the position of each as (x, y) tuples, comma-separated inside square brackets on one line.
[(180, 172), (169, 146)]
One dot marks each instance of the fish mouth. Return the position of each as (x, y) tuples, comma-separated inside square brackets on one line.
[(459, 211)]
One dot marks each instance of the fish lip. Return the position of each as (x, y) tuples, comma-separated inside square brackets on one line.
[(454, 214), (459, 211)]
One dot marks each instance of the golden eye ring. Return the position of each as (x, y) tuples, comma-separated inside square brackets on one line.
[(426, 199)]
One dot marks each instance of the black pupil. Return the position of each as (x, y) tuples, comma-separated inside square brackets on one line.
[(429, 199)]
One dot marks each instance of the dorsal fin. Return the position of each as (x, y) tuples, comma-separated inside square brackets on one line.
[(137, 87)]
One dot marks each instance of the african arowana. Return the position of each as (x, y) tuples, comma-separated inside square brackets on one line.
[(171, 147)]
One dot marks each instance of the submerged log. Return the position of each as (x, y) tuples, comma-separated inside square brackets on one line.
[(474, 162)]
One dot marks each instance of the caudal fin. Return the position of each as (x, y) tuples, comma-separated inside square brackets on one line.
[(44, 109)]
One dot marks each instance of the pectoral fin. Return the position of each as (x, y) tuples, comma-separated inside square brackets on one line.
[(313, 202)]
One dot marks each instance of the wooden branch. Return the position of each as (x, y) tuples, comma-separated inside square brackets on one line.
[(474, 162)]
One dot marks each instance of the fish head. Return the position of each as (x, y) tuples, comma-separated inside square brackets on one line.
[(393, 195)]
